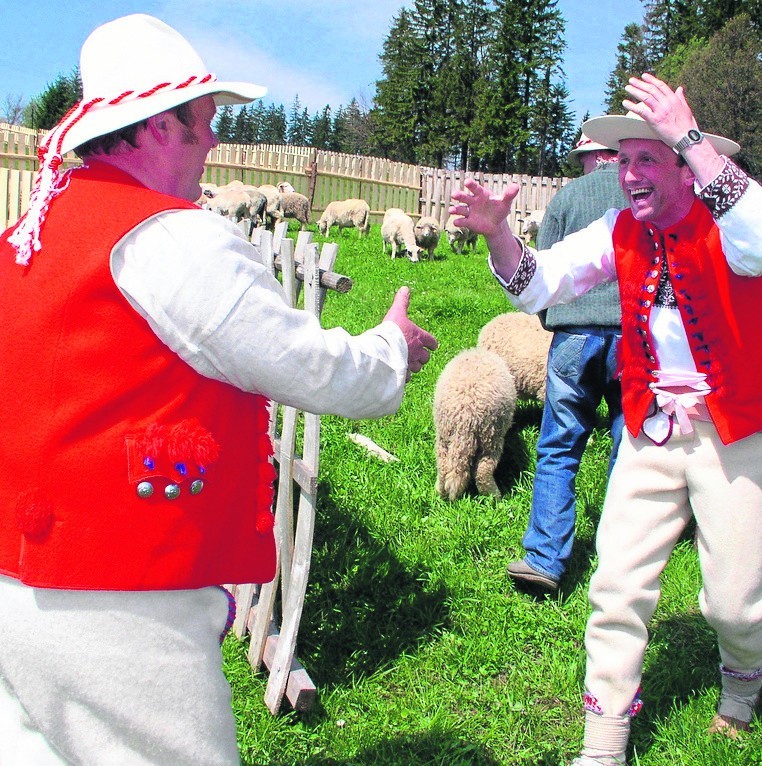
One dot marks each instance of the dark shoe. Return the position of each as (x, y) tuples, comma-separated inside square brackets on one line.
[(528, 575)]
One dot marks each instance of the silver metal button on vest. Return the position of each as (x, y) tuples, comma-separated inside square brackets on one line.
[(145, 489), (196, 487), (172, 491)]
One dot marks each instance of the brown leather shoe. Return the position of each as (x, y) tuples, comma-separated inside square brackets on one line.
[(528, 575), (730, 727)]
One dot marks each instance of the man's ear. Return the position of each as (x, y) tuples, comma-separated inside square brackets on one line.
[(158, 126)]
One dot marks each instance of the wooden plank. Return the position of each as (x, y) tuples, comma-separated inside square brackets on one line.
[(300, 690)]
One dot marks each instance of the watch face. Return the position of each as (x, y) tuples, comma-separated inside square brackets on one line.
[(694, 135)]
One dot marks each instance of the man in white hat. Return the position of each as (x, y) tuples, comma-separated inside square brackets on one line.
[(142, 338), (688, 256), (581, 374)]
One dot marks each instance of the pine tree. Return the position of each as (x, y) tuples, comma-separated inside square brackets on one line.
[(55, 101), (322, 129), (395, 108), (225, 124), (632, 59)]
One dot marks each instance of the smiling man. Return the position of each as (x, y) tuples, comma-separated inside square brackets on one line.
[(688, 257)]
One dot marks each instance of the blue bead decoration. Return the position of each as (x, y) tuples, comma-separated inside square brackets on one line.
[(148, 462)]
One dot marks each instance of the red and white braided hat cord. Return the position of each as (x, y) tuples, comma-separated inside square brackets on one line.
[(51, 182)]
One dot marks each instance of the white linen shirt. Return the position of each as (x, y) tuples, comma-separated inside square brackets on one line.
[(205, 293)]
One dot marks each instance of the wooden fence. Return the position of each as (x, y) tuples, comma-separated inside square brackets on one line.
[(320, 175)]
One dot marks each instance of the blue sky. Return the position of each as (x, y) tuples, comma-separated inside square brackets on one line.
[(326, 51)]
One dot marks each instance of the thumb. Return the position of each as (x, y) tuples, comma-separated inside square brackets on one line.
[(401, 300)]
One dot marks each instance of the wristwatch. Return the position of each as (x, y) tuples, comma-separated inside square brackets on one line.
[(693, 137)]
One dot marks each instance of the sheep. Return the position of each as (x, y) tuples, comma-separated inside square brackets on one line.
[(522, 343), (345, 214), (284, 187), (271, 192), (397, 230), (531, 224), (459, 236), (291, 205), (474, 404), (258, 205), (233, 202), (427, 233)]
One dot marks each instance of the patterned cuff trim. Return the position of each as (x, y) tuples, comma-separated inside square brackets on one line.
[(524, 273), (755, 675), (722, 194)]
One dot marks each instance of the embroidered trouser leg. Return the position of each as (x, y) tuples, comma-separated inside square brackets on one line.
[(651, 495), (113, 679)]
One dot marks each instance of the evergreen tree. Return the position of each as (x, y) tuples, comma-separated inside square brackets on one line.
[(322, 129), (241, 133), (55, 101), (395, 108), (225, 124), (298, 124), (274, 126), (632, 59)]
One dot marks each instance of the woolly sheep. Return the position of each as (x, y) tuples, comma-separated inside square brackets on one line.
[(397, 230), (474, 404), (459, 236), (233, 202), (345, 214), (531, 224), (284, 187), (292, 205), (522, 343), (427, 234)]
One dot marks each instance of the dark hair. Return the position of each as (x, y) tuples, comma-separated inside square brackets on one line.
[(107, 143)]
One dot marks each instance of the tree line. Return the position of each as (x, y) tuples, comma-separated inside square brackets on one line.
[(479, 85)]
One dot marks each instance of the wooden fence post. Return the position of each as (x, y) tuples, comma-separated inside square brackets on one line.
[(272, 641)]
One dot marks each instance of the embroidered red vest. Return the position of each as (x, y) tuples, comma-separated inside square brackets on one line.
[(719, 309), (122, 468)]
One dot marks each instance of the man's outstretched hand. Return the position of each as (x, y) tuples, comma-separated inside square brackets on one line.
[(419, 342)]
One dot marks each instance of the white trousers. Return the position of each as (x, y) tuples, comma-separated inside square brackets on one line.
[(99, 678), (651, 495)]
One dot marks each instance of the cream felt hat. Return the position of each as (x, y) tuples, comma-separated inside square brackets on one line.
[(610, 129), (586, 144), (132, 68), (137, 66)]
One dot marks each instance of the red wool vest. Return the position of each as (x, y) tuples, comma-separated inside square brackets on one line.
[(719, 309), (122, 468)]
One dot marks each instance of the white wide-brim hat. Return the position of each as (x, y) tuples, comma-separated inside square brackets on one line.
[(132, 68), (138, 66), (610, 129), (585, 144)]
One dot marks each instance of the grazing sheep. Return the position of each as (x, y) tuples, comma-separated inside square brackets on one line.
[(427, 234), (292, 205), (397, 230), (522, 343), (459, 236), (258, 205), (474, 403), (233, 202), (284, 187), (531, 224), (345, 214)]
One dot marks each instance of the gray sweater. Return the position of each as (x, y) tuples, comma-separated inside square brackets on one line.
[(576, 205)]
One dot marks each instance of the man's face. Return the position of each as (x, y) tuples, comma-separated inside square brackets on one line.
[(659, 191), (190, 147)]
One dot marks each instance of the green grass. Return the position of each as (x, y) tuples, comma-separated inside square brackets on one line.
[(422, 650)]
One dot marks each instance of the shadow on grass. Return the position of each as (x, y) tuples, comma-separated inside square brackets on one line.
[(682, 662), (421, 750), (364, 608)]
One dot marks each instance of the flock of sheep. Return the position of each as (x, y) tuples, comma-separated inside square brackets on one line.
[(267, 204), (476, 393)]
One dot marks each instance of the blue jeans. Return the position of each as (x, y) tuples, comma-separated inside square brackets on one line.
[(581, 373)]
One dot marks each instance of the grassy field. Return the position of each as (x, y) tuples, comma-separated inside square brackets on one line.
[(422, 650)]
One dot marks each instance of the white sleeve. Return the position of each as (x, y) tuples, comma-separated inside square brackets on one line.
[(568, 269), (203, 290)]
